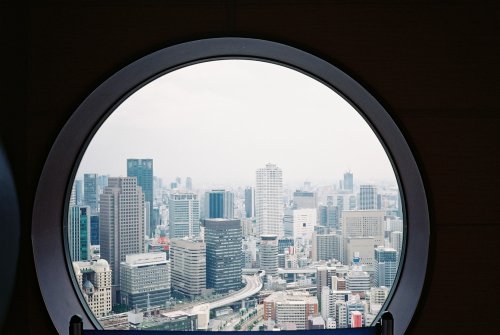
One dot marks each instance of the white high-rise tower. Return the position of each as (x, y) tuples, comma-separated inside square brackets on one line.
[(269, 200)]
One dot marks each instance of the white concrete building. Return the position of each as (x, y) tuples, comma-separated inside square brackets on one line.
[(269, 200), (94, 280), (299, 223), (188, 261)]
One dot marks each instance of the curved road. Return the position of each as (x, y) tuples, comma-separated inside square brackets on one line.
[(253, 286)]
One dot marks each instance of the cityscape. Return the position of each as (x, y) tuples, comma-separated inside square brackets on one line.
[(156, 254)]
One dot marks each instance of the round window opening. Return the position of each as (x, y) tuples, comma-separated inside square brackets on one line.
[(223, 188)]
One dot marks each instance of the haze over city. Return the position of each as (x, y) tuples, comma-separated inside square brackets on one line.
[(219, 121)]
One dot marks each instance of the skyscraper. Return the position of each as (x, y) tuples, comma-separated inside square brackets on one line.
[(249, 202), (268, 253), (219, 204), (189, 183), (142, 169), (121, 222), (269, 200), (224, 254), (79, 233), (368, 197), (304, 199), (189, 266), (90, 193), (348, 182), (184, 215), (386, 266)]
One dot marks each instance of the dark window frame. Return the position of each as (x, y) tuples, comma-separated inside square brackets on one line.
[(49, 235)]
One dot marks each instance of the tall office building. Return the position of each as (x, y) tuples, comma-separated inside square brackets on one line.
[(299, 223), (396, 238), (121, 222), (145, 278), (219, 204), (368, 198), (326, 247), (348, 182), (224, 254), (304, 199), (329, 216), (189, 183), (142, 169), (79, 233), (94, 229), (184, 215), (90, 192), (269, 200), (268, 253), (364, 224), (189, 267), (355, 312), (78, 185), (249, 202), (94, 280), (386, 266)]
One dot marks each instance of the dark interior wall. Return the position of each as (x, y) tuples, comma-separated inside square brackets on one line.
[(434, 66)]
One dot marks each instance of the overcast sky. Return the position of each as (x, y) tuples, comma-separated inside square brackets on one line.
[(219, 121)]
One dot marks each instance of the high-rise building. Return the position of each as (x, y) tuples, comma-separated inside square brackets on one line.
[(94, 280), (329, 216), (94, 229), (142, 169), (90, 192), (249, 202), (304, 199), (189, 267), (184, 215), (324, 276), (219, 204), (224, 254), (361, 249), (121, 222), (189, 183), (79, 233), (145, 279), (368, 198), (299, 223), (326, 247), (269, 200), (78, 185), (268, 253), (396, 238), (364, 224), (290, 307), (348, 182), (386, 266)]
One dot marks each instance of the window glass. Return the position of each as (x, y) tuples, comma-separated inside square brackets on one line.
[(235, 195)]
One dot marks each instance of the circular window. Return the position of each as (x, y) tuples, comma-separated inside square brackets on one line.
[(260, 133)]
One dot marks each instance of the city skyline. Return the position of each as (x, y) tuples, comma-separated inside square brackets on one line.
[(234, 116)]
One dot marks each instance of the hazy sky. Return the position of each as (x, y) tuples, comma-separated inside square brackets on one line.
[(219, 121)]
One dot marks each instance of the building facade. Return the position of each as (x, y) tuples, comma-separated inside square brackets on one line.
[(184, 215), (188, 264), (79, 233), (121, 222), (224, 254), (269, 200), (145, 279), (142, 169), (219, 204), (94, 280)]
